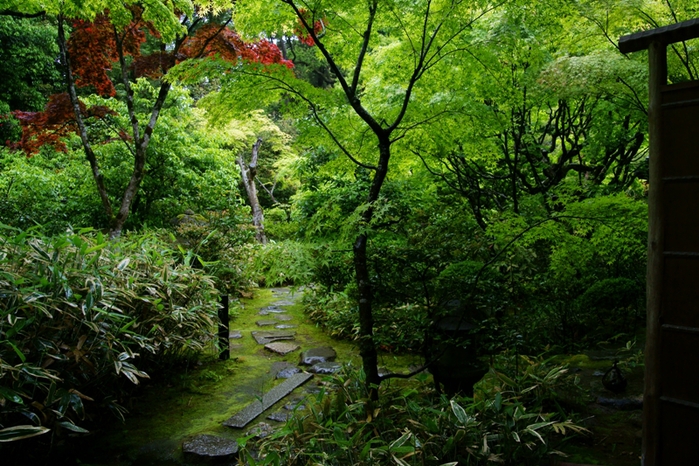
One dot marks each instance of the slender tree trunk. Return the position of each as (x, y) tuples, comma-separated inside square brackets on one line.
[(367, 347), (248, 173)]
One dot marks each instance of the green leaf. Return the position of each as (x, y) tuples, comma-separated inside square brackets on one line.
[(72, 427), (11, 434)]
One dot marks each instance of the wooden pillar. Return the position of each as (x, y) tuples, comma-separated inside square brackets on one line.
[(657, 58), (223, 341)]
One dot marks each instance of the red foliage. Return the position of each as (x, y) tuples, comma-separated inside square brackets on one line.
[(53, 124), (302, 34), (93, 50), (211, 40)]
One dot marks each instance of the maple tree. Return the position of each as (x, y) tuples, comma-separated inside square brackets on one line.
[(104, 52)]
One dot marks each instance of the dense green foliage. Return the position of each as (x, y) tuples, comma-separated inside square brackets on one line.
[(83, 318)]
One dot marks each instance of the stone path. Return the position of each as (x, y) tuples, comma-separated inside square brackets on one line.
[(277, 343)]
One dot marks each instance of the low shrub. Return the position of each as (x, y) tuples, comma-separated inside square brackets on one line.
[(507, 423), (81, 319)]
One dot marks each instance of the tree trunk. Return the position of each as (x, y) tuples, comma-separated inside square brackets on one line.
[(248, 173), (367, 348)]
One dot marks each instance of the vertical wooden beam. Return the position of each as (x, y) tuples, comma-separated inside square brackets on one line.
[(657, 59), (223, 341)]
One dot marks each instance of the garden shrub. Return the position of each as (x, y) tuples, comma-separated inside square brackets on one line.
[(81, 319)]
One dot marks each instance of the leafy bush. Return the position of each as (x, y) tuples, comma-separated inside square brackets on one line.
[(506, 423), (78, 314)]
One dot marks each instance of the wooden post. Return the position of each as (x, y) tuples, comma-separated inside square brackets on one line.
[(657, 58), (223, 342)]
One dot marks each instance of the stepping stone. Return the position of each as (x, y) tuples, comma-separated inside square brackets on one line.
[(257, 407), (283, 326), (324, 368), (261, 430), (210, 447), (283, 317), (287, 372), (315, 355), (272, 309), (236, 347), (296, 405), (281, 347), (264, 337), (265, 323), (279, 416), (284, 303), (235, 334)]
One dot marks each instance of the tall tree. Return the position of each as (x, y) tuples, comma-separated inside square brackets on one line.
[(389, 58)]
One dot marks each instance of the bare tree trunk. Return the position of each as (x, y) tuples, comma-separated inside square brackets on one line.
[(248, 173)]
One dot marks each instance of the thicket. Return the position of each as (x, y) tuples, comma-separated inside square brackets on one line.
[(83, 319)]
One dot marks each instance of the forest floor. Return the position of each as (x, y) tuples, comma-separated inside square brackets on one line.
[(199, 400)]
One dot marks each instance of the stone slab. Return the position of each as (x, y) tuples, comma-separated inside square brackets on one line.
[(235, 334), (210, 446), (325, 368), (315, 355), (272, 310), (284, 303), (257, 407), (287, 372), (268, 336), (265, 323), (284, 326), (283, 317), (281, 347), (279, 416)]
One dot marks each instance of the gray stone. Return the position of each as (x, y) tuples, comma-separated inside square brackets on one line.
[(264, 337), (235, 334), (273, 310), (281, 347), (261, 430), (283, 317), (297, 405), (284, 303), (287, 372), (623, 404), (279, 416), (325, 368), (210, 447), (283, 326), (257, 407), (265, 323), (315, 355)]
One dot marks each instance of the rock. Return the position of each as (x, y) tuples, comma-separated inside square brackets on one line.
[(264, 337), (273, 310), (281, 347), (622, 404), (283, 326), (283, 317), (315, 355), (288, 372), (261, 430), (265, 323), (235, 334), (297, 405), (257, 407), (210, 447), (325, 368), (284, 303), (279, 416)]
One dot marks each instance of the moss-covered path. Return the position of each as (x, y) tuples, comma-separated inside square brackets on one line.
[(200, 401)]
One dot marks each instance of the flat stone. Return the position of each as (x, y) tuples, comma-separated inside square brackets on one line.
[(265, 323), (284, 326), (235, 334), (257, 407), (264, 337), (315, 355), (283, 317), (298, 405), (272, 310), (279, 416), (287, 372), (261, 430), (210, 447), (284, 303), (325, 368), (622, 404), (281, 347)]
